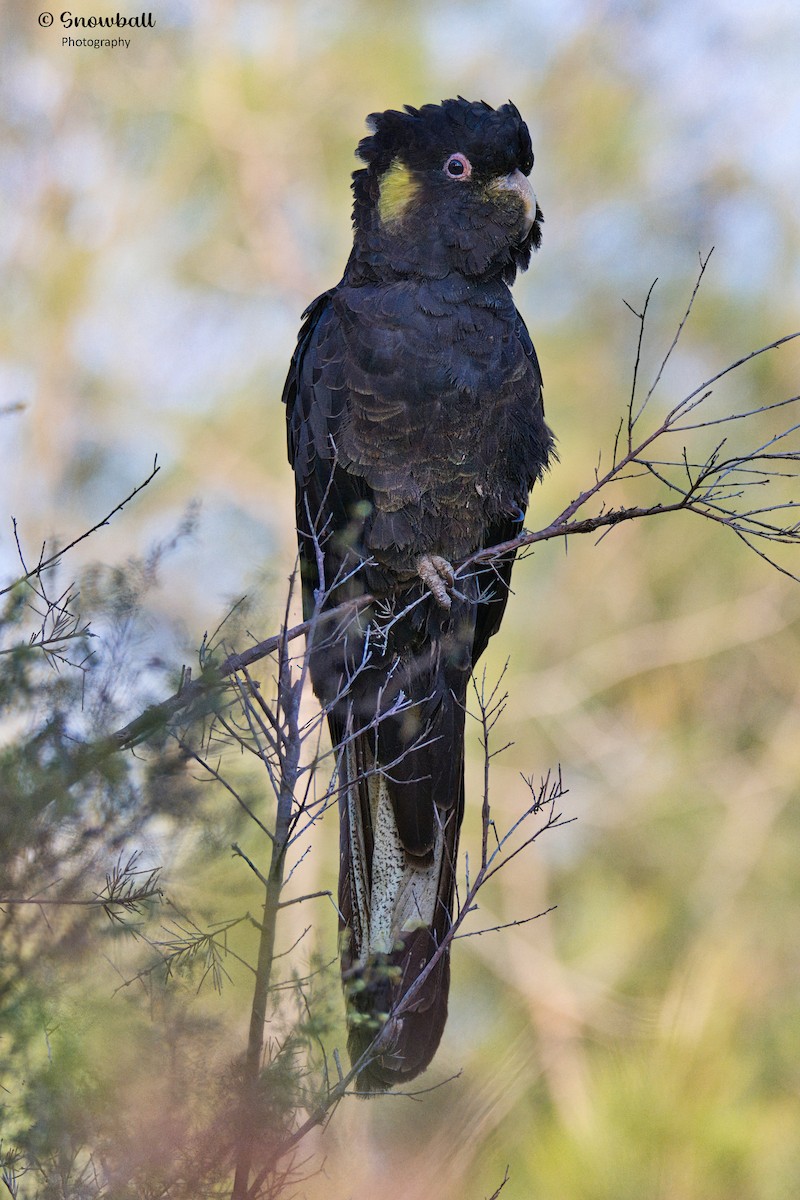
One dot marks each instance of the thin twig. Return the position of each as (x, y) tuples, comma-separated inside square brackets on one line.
[(44, 563)]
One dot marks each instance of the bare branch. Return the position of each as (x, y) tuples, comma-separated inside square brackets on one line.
[(510, 924), (503, 1183), (44, 563)]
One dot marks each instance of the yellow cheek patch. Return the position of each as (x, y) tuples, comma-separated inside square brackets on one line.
[(397, 189)]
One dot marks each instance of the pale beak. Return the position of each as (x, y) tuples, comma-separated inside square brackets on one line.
[(519, 183)]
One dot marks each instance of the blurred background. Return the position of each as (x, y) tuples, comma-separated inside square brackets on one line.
[(168, 211)]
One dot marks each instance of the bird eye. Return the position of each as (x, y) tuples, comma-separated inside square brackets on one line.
[(458, 166)]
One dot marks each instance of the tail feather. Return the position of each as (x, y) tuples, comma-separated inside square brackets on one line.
[(399, 725), (396, 909)]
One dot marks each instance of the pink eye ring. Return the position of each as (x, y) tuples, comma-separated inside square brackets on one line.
[(458, 166)]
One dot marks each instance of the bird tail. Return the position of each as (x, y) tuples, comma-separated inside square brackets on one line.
[(396, 907)]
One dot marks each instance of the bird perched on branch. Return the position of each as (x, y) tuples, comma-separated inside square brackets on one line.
[(416, 431)]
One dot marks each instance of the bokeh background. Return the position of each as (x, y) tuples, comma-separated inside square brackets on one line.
[(167, 212)]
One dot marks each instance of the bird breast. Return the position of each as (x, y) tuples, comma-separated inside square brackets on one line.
[(436, 387)]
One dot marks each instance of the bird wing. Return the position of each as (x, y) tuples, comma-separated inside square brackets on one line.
[(494, 578), (401, 781), (326, 496)]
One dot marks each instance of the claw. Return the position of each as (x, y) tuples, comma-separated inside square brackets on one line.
[(438, 576)]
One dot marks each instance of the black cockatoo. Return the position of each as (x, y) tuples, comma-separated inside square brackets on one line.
[(416, 431)]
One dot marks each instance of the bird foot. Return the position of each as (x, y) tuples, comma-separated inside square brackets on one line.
[(438, 576)]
